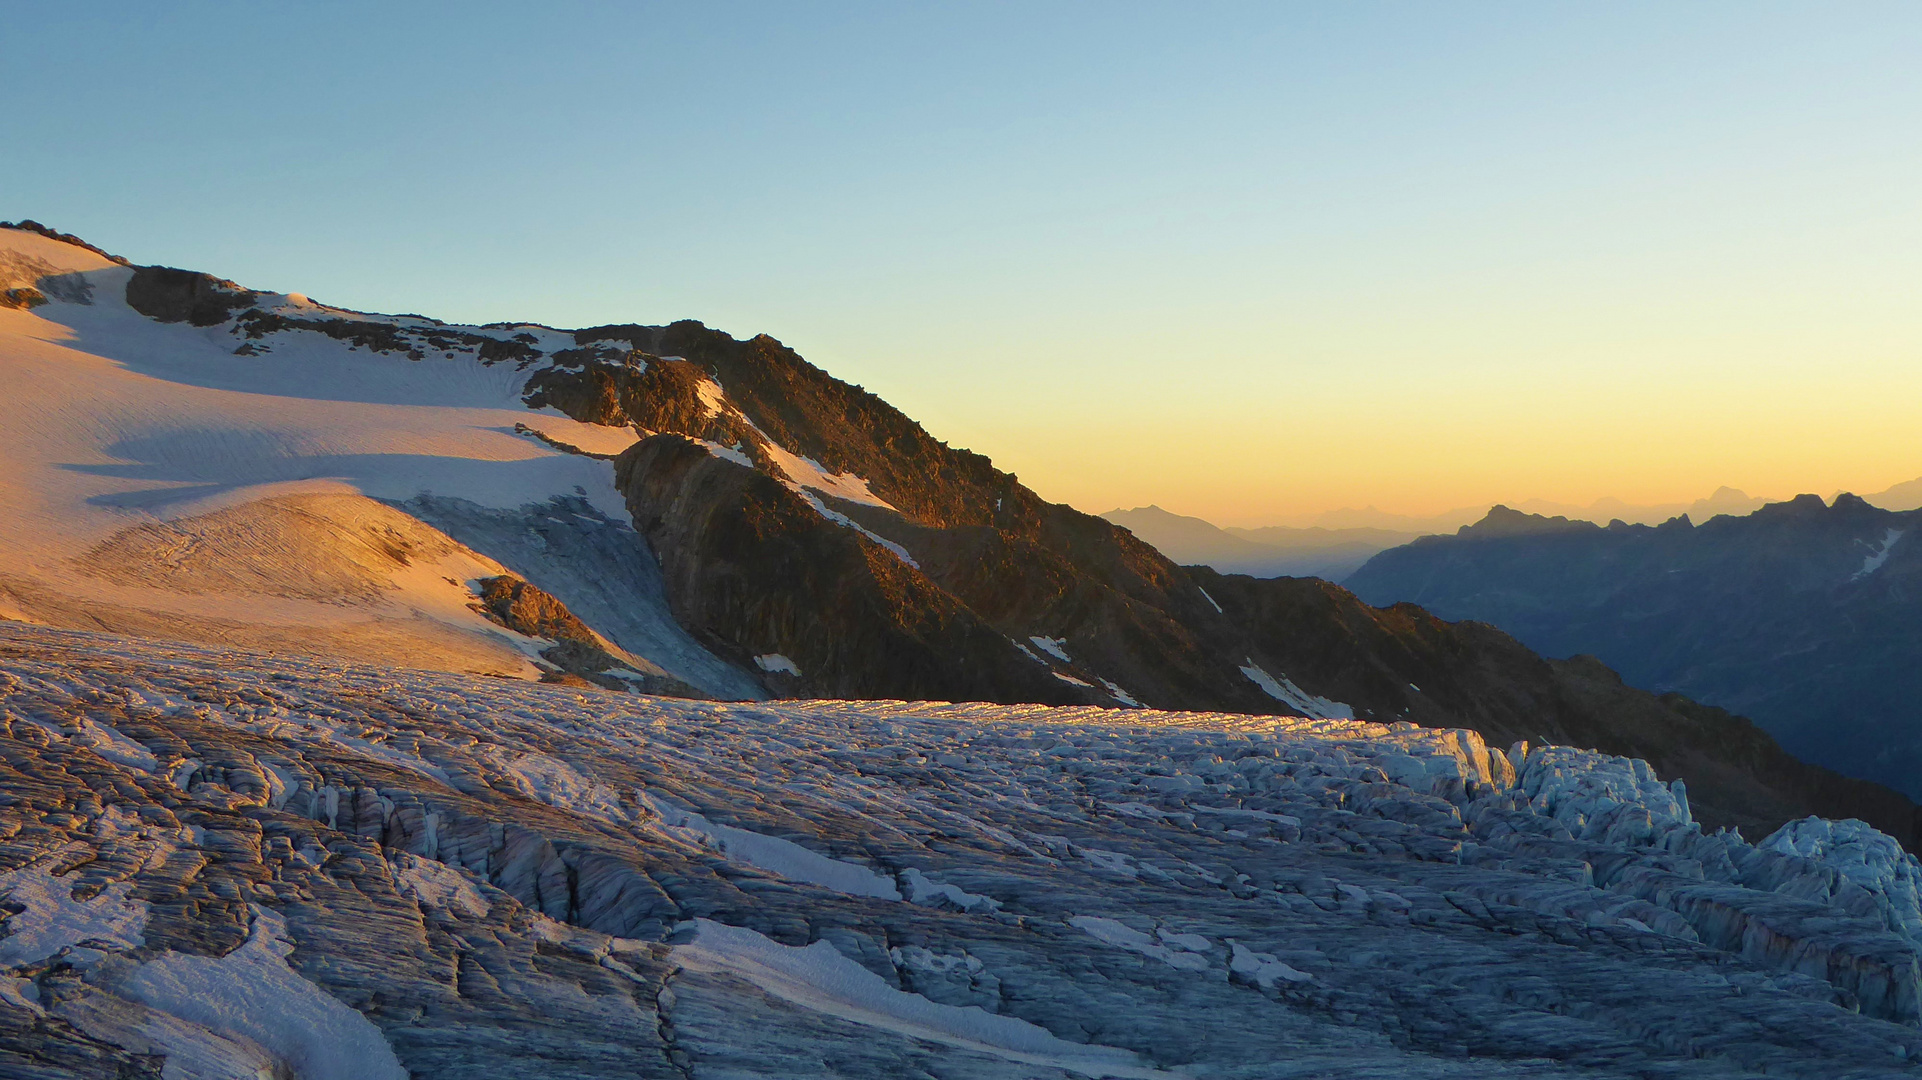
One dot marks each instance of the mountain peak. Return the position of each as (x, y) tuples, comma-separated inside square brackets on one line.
[(1503, 521), (32, 226), (1804, 505)]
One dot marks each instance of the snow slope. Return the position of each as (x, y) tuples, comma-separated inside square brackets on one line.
[(158, 482)]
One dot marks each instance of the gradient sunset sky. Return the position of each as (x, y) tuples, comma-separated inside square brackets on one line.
[(1245, 261)]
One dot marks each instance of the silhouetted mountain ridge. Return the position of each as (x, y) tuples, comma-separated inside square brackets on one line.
[(1804, 614)]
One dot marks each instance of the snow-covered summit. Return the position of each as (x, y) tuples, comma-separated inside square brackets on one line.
[(290, 475)]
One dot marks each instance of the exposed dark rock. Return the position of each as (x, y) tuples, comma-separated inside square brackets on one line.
[(636, 336), (640, 390), (389, 337), (494, 350), (753, 570), (170, 295), (24, 296), (527, 610)]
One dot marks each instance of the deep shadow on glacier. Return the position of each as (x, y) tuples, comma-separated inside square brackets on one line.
[(600, 568)]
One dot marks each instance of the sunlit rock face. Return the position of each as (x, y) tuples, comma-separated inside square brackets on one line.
[(223, 864)]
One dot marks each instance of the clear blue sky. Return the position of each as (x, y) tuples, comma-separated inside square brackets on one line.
[(1249, 261)]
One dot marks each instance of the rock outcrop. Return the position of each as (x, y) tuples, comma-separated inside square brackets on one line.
[(760, 573), (578, 655), (169, 295)]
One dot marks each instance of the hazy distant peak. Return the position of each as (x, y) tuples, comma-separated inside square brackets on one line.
[(1503, 521), (1154, 513), (1906, 495), (1371, 517)]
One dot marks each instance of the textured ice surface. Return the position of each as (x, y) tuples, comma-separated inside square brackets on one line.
[(50, 919), (820, 979), (252, 994), (469, 877), (783, 858)]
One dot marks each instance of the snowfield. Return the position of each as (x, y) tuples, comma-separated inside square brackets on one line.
[(249, 863), (160, 483)]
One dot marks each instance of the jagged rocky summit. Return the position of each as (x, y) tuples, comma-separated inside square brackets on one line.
[(221, 863)]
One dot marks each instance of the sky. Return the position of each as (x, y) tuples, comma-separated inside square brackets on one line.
[(1251, 262)]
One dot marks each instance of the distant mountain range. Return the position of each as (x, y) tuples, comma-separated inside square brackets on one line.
[(1805, 615), (1904, 496), (1275, 551), (1342, 540), (1725, 500)]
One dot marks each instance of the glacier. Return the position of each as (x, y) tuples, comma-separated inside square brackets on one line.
[(478, 877)]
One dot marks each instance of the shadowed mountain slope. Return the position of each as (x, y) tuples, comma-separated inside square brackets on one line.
[(1806, 616)]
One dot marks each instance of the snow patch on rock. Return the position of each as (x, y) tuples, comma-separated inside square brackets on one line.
[(1055, 647), (1184, 951), (1285, 691), (1877, 556), (1262, 968), (773, 662), (923, 889), (845, 521)]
